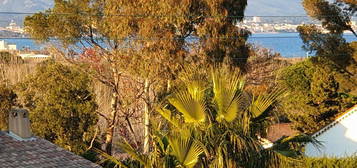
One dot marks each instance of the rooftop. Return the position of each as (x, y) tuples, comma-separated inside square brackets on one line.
[(276, 131), (337, 120), (37, 153)]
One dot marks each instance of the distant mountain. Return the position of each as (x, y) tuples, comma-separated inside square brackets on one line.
[(26, 6)]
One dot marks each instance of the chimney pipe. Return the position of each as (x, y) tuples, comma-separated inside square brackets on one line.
[(19, 123)]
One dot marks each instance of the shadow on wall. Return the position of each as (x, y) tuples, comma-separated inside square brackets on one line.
[(339, 139)]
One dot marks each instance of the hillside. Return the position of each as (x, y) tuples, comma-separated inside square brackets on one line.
[(24, 5), (21, 6)]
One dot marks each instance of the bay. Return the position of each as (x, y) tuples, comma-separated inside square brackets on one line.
[(287, 44)]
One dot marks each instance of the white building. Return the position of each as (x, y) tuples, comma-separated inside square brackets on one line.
[(14, 28), (339, 139), (34, 56), (6, 46), (256, 19)]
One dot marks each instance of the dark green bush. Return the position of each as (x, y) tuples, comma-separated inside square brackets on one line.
[(7, 100), (317, 93), (62, 105), (349, 162)]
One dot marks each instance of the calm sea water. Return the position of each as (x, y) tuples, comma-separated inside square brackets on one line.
[(287, 44)]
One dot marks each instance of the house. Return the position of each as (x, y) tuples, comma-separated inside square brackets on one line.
[(7, 47), (34, 56), (339, 138), (20, 149), (275, 132)]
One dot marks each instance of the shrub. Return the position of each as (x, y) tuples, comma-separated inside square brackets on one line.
[(62, 105), (7, 100), (349, 162), (317, 93)]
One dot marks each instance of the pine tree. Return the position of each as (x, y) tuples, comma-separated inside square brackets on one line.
[(335, 17)]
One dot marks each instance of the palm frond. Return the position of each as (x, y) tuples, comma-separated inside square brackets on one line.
[(227, 89), (143, 159), (167, 114), (300, 139), (111, 158), (271, 158), (185, 149), (261, 103), (191, 104)]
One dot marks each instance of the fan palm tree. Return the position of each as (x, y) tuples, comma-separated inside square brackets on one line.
[(214, 124)]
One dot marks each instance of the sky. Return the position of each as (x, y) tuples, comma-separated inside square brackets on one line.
[(255, 7), (274, 7)]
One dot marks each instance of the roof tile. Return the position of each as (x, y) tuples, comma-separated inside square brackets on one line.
[(37, 153)]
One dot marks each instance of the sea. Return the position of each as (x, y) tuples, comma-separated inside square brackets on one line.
[(287, 44)]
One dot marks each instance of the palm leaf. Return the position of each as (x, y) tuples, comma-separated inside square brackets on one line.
[(227, 89), (185, 149), (190, 102), (260, 104), (143, 159), (167, 114), (299, 139), (272, 158), (109, 157)]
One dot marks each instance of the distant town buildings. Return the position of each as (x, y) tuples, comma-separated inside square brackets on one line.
[(279, 24), (25, 55), (256, 19), (4, 46), (14, 28), (34, 56)]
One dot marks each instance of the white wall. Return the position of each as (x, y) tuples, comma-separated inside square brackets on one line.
[(338, 141), (12, 47), (3, 45)]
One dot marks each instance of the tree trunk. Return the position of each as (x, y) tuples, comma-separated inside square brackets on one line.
[(111, 124), (113, 114), (168, 86), (354, 33), (146, 117)]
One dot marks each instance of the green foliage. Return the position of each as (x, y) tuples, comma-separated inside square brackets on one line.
[(326, 162), (227, 90), (190, 103), (329, 47), (62, 105), (352, 68), (334, 16), (7, 100), (5, 57), (323, 86), (150, 40), (224, 134), (185, 149), (315, 95), (163, 34), (8, 58)]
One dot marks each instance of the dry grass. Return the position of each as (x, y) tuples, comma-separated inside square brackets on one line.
[(16, 73), (293, 60)]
